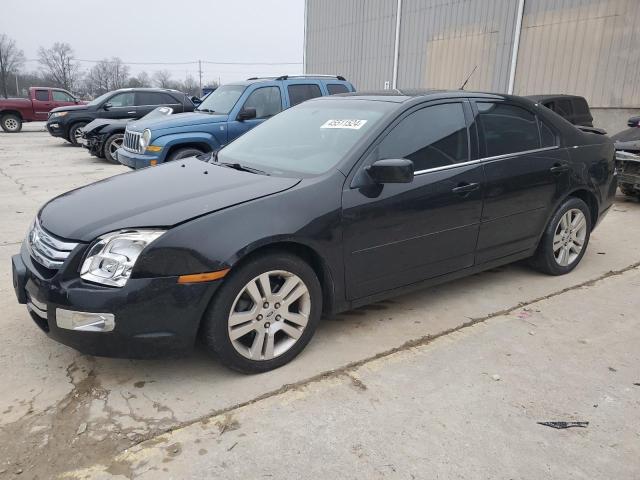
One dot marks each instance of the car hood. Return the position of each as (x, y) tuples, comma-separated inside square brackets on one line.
[(98, 123), (71, 108), (177, 120), (633, 146), (154, 197), (628, 135)]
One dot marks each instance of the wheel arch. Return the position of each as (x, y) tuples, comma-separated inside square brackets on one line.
[(205, 147), (306, 253), (12, 112), (590, 199)]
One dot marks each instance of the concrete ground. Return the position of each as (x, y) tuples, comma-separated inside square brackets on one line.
[(447, 383)]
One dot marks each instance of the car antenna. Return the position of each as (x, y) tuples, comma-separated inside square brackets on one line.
[(469, 77)]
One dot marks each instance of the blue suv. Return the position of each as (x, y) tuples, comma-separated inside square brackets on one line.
[(224, 115)]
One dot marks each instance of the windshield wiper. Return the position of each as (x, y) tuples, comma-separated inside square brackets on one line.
[(208, 110), (242, 168)]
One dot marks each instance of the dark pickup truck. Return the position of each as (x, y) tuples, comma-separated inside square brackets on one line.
[(15, 111)]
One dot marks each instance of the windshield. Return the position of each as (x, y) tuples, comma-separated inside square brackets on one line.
[(308, 139), (222, 99), (100, 99)]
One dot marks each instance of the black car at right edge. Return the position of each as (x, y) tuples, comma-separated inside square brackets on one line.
[(337, 202)]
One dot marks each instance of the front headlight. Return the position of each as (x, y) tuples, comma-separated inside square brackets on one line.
[(59, 114), (112, 257), (145, 138)]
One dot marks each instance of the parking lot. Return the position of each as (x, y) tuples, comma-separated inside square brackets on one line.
[(448, 382)]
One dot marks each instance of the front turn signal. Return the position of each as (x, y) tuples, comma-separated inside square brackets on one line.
[(203, 277)]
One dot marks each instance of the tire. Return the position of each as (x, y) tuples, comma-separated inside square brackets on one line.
[(11, 123), (255, 316), (570, 243), (74, 133), (110, 146), (183, 153), (629, 191)]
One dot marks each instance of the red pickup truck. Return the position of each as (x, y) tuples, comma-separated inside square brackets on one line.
[(15, 111)]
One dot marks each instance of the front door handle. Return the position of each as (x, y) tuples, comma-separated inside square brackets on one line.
[(559, 168), (464, 188), (131, 113)]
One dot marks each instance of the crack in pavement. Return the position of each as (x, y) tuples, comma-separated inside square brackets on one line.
[(21, 186)]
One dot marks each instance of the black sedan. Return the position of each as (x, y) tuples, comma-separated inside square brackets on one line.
[(335, 203)]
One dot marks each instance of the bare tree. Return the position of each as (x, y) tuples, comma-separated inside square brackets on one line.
[(58, 65), (98, 79), (190, 86), (11, 59), (162, 78)]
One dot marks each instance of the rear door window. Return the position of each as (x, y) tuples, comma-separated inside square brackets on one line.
[(300, 93), (335, 88), (507, 129), (42, 95), (548, 137), (154, 98)]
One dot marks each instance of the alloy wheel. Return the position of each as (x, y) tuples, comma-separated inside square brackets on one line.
[(269, 315), (115, 145), (569, 237)]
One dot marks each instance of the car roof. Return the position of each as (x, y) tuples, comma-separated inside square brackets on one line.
[(291, 78), (407, 95), (147, 89)]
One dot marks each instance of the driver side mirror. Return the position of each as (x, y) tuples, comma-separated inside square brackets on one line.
[(634, 122), (247, 113), (398, 170), (107, 106)]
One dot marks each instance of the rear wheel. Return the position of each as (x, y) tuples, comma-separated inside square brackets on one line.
[(565, 239), (264, 313), (75, 133), (113, 143), (183, 153), (11, 123)]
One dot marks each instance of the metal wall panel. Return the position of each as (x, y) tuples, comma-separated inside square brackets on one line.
[(583, 47), (441, 41), (354, 38)]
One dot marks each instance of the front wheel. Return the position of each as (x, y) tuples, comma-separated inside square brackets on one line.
[(11, 123), (565, 239), (111, 145), (75, 133), (264, 313)]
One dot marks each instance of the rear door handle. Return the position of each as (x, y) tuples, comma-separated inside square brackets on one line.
[(132, 113), (464, 188), (559, 168)]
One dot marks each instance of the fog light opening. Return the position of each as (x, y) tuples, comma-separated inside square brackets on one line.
[(85, 321)]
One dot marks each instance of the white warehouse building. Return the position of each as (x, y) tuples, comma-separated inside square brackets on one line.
[(525, 47)]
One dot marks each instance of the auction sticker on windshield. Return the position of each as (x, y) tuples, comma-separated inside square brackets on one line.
[(351, 124)]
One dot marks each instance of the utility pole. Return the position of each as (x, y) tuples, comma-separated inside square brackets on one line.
[(17, 88), (200, 74)]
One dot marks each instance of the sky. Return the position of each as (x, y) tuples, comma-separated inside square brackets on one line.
[(239, 31)]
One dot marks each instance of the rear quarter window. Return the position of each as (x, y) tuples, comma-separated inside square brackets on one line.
[(336, 88), (42, 95)]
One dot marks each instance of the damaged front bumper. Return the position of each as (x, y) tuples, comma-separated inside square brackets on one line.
[(628, 168), (93, 142)]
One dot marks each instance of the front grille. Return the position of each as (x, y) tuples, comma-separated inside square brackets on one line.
[(131, 141), (46, 249)]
